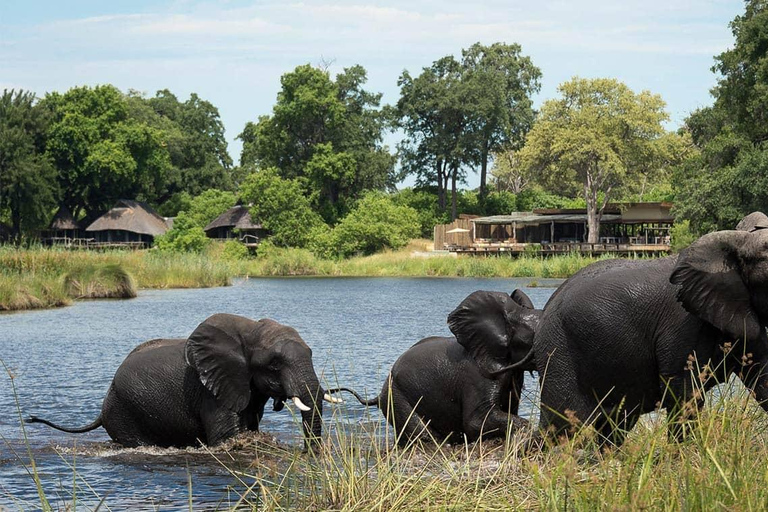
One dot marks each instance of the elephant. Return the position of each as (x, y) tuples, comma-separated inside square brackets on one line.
[(211, 386), (621, 338), (467, 387)]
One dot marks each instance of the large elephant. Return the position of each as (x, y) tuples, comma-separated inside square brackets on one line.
[(465, 387), (621, 338), (211, 386)]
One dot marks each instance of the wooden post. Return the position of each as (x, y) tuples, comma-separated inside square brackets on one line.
[(552, 232), (514, 231)]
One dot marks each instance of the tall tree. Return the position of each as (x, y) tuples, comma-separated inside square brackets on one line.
[(599, 136), (729, 178), (500, 82), (326, 132), (101, 154), (432, 111), (196, 143), (27, 178)]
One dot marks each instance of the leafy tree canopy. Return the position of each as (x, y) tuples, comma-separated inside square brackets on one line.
[(599, 137), (326, 132), (729, 178), (101, 154), (282, 207), (27, 178)]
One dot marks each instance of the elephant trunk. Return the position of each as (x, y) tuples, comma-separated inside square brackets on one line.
[(306, 388)]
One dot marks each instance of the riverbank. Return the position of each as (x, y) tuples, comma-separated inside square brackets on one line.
[(43, 277)]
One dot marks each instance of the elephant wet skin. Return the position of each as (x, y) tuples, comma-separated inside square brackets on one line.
[(621, 338), (211, 386), (465, 387)]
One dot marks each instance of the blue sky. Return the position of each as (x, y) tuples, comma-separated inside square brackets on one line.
[(233, 52)]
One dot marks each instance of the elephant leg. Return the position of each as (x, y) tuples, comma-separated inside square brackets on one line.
[(408, 424), (219, 422), (682, 403), (612, 428), (491, 425), (573, 411)]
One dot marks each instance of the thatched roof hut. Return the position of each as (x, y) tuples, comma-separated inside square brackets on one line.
[(64, 221), (236, 218), (128, 222)]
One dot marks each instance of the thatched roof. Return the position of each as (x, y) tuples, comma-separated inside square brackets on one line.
[(63, 220), (133, 216), (236, 217)]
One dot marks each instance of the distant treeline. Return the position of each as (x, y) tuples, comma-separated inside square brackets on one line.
[(317, 173)]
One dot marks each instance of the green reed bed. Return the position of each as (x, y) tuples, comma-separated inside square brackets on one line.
[(721, 466), (49, 277)]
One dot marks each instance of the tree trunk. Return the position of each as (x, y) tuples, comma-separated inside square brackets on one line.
[(593, 222), (454, 206), (440, 187), (484, 170)]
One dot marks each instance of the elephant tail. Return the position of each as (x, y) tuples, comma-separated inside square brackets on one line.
[(96, 424), (368, 402)]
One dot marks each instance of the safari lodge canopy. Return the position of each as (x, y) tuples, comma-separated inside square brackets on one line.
[(236, 223), (128, 224), (624, 228)]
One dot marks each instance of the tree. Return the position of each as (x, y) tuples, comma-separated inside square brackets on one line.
[(432, 112), (195, 142), (101, 154), (328, 134), (509, 174), (599, 136), (27, 178), (187, 234), (375, 223), (500, 82), (281, 206), (729, 177)]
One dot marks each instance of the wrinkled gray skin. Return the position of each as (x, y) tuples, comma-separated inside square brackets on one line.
[(209, 387), (467, 386), (620, 337)]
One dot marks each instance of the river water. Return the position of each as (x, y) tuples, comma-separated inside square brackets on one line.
[(61, 363)]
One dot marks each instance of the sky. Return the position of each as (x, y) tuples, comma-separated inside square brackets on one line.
[(233, 52)]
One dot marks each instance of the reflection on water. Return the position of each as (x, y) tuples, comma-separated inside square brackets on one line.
[(63, 360)]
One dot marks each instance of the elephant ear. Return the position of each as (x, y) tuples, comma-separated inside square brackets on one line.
[(753, 222), (480, 326), (522, 299), (711, 285), (216, 350)]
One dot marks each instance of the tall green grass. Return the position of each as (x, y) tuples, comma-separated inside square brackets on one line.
[(49, 277), (721, 466)]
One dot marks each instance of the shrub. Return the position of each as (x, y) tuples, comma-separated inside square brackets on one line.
[(282, 208), (374, 224), (681, 235)]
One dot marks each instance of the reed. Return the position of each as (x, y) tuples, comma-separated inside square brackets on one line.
[(721, 466)]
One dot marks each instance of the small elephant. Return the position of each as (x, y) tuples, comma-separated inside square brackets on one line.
[(465, 387), (211, 386), (621, 338)]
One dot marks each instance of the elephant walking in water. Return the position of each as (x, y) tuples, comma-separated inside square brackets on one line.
[(211, 386), (621, 338), (465, 387)]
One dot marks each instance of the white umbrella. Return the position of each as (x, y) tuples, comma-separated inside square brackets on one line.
[(457, 230)]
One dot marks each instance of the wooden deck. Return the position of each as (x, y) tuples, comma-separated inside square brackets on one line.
[(516, 249)]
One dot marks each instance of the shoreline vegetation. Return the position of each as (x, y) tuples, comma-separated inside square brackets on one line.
[(40, 277)]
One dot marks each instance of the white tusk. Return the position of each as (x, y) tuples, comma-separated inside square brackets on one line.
[(298, 403), (328, 398)]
